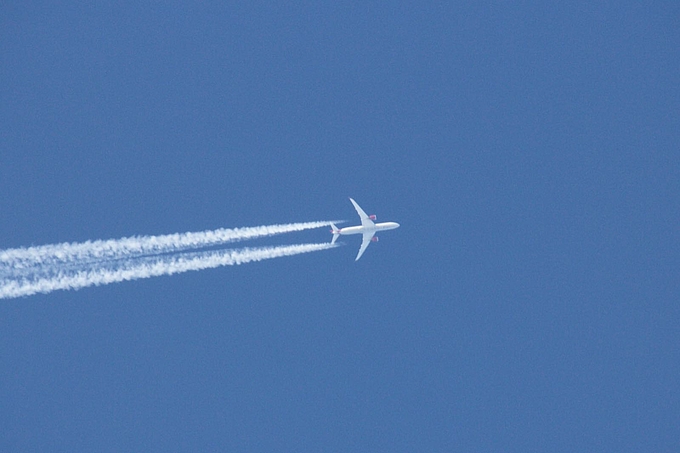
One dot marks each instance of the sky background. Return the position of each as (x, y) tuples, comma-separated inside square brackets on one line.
[(529, 150)]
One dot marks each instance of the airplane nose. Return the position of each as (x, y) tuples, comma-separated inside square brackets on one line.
[(397, 225)]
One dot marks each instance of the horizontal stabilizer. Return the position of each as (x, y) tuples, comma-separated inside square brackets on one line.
[(335, 232)]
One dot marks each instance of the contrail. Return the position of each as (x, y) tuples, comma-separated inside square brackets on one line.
[(107, 272), (26, 258)]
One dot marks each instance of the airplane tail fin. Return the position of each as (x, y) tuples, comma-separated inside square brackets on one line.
[(335, 232)]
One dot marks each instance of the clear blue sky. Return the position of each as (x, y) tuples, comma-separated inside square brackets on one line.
[(529, 301)]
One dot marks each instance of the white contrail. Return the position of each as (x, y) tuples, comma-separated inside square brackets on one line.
[(56, 254), (117, 271)]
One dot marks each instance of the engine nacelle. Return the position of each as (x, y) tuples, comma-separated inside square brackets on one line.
[(374, 239), (373, 217)]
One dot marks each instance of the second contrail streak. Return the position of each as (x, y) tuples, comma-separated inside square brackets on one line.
[(106, 272)]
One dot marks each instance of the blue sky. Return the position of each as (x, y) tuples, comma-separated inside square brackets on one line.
[(529, 301)]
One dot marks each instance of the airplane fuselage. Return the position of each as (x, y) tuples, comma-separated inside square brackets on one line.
[(360, 229)]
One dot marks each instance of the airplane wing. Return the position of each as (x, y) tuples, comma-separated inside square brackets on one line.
[(364, 242), (365, 221)]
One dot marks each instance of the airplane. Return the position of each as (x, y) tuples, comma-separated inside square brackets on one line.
[(368, 228)]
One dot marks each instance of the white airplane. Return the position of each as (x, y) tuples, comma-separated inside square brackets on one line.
[(368, 228)]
